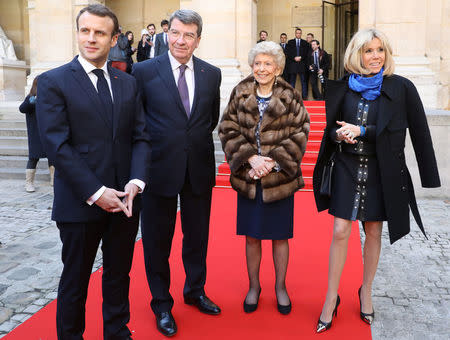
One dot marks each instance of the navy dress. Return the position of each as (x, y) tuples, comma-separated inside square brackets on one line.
[(35, 148), (356, 192), (264, 221)]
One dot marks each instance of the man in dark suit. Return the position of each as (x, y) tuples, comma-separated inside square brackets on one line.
[(181, 98), (92, 125), (162, 39), (151, 28), (297, 52), (318, 64), (283, 44)]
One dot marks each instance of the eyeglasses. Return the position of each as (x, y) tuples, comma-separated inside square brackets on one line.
[(186, 36)]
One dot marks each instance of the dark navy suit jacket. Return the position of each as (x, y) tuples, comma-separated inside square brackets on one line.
[(89, 149), (179, 143)]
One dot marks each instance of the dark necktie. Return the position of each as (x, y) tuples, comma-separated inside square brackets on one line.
[(316, 60), (298, 47), (104, 93), (183, 89)]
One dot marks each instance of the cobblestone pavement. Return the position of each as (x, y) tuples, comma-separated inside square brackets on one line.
[(411, 289)]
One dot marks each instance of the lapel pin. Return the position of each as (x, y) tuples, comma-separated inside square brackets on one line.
[(115, 77), (203, 70)]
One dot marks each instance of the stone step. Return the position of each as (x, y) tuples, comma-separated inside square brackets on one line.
[(20, 162), (13, 124), (13, 151), (220, 156), (11, 115), (8, 141), (13, 132), (14, 173)]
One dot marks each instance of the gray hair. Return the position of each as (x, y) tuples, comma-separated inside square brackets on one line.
[(269, 48), (188, 16)]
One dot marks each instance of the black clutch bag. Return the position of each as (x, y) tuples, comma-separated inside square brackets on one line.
[(325, 184), (327, 174)]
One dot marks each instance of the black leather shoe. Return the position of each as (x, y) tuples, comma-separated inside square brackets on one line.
[(250, 308), (166, 323), (204, 304)]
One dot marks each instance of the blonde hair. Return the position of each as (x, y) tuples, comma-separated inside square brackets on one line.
[(353, 61)]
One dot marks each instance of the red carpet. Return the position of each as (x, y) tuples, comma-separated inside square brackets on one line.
[(227, 284)]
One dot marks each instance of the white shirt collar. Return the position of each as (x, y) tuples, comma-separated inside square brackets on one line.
[(174, 64), (88, 67)]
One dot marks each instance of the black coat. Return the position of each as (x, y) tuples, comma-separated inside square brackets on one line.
[(35, 149), (400, 108), (88, 147), (291, 50), (143, 52), (324, 61), (179, 142)]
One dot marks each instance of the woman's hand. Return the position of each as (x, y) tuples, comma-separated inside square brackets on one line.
[(347, 132), (261, 166)]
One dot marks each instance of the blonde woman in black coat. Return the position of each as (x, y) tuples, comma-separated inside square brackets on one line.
[(367, 116)]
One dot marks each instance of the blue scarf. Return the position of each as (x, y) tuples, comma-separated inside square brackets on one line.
[(369, 87)]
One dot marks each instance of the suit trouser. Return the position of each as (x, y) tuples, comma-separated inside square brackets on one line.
[(158, 226), (80, 244), (293, 78), (314, 86)]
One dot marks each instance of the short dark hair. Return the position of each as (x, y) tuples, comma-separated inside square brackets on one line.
[(312, 35), (151, 25), (298, 29), (164, 22), (263, 31), (188, 16), (100, 11), (283, 34), (316, 41)]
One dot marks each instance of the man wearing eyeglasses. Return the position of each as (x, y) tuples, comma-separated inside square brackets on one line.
[(181, 95)]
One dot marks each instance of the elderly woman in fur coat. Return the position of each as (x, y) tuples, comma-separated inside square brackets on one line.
[(264, 131)]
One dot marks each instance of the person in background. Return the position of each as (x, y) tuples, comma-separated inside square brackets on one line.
[(297, 53), (118, 53), (368, 112), (309, 38), (35, 149), (262, 36), (161, 40), (318, 65), (143, 50), (264, 131), (130, 50), (151, 28), (283, 44)]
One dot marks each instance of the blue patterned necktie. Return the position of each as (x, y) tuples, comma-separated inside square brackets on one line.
[(298, 47), (183, 89), (104, 93)]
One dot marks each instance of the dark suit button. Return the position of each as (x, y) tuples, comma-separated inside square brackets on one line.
[(402, 171), (403, 188)]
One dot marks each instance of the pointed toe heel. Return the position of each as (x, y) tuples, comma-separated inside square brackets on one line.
[(324, 326), (250, 308), (366, 317)]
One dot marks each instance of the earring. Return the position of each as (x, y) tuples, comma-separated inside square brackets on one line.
[(276, 80)]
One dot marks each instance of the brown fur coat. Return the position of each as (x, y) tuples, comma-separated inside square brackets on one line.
[(284, 133)]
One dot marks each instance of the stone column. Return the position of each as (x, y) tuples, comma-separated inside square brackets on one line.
[(228, 34), (405, 22), (52, 33)]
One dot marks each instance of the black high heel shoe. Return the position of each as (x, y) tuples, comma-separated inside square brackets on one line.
[(285, 310), (324, 326), (250, 308), (366, 317)]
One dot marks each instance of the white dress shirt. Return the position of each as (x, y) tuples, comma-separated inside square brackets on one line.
[(188, 73), (152, 50), (88, 68)]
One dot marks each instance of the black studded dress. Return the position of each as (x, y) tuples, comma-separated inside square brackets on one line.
[(356, 192)]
